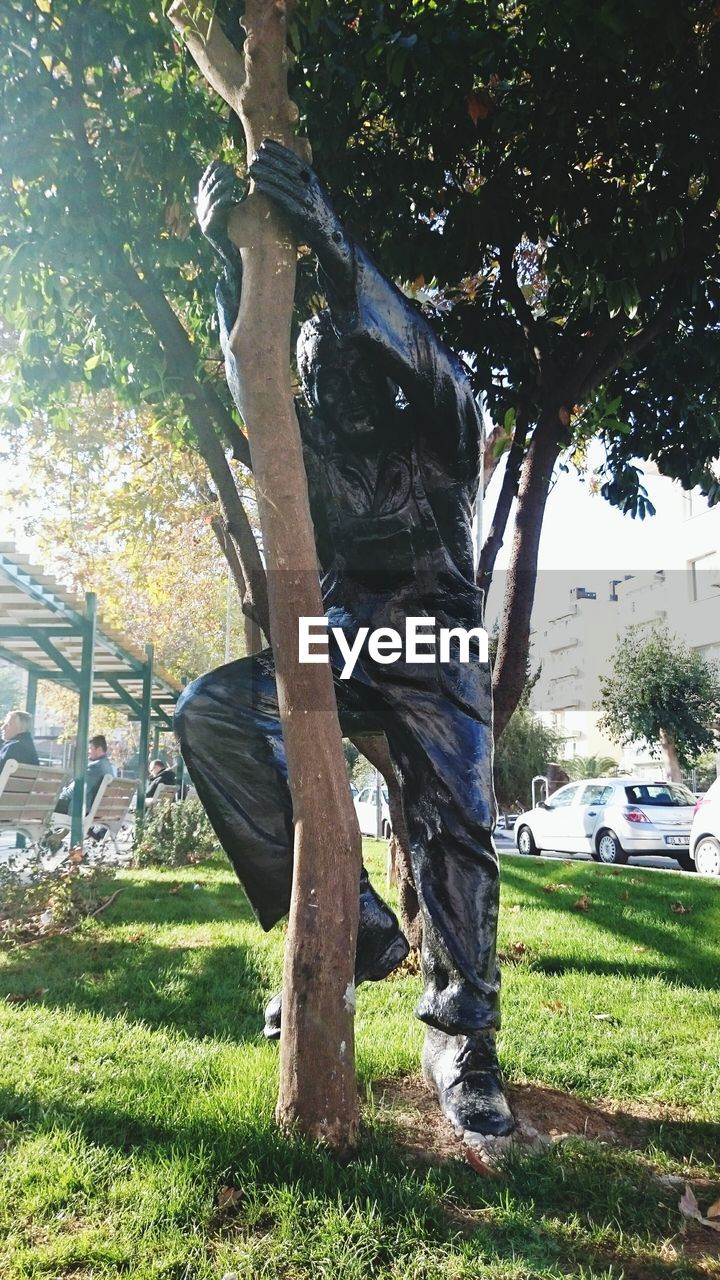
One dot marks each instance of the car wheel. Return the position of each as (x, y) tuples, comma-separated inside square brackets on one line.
[(526, 841), (594, 855), (707, 856), (610, 851), (386, 830), (686, 862)]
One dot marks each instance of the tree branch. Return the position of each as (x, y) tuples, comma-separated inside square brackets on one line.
[(501, 514), (533, 330), (220, 62)]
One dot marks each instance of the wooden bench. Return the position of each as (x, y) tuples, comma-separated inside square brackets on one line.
[(28, 795), (163, 794), (111, 808)]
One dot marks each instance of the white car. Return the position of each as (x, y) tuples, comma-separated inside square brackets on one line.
[(366, 810), (705, 833), (611, 818)]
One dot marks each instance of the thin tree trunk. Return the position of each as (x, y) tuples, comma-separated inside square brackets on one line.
[(510, 673), (253, 634), (206, 413), (670, 755), (318, 1094), (501, 514), (375, 749), (491, 458)]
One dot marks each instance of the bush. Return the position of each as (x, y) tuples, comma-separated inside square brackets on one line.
[(35, 901), (175, 835)]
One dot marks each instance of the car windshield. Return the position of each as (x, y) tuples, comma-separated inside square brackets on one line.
[(662, 795)]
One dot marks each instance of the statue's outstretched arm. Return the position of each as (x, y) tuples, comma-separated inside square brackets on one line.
[(216, 198), (366, 307)]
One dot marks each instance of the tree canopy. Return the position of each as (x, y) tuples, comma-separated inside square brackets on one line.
[(663, 694), (545, 178), (553, 171)]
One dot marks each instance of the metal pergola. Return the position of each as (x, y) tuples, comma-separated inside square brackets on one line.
[(57, 636)]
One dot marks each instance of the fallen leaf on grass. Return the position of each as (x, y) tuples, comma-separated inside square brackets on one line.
[(175, 890), (479, 1165), (582, 904), (680, 909), (136, 937), (551, 888), (514, 910), (606, 1017), (515, 951), (639, 948), (689, 1208), (554, 1006), (228, 1197)]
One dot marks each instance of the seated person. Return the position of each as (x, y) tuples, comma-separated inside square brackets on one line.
[(160, 774), (17, 739), (99, 766), (18, 745)]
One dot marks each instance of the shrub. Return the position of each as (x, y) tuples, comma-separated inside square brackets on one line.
[(174, 835), (35, 901)]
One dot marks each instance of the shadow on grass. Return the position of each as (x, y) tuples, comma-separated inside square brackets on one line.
[(196, 985), (549, 1211), (689, 958), (200, 991)]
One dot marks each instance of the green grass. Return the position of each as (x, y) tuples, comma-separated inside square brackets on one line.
[(138, 1086)]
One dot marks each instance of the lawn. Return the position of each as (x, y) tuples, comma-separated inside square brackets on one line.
[(136, 1096)]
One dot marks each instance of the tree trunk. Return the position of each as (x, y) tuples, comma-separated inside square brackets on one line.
[(510, 673), (375, 749), (670, 756), (318, 1094), (206, 413), (501, 514), (253, 634)]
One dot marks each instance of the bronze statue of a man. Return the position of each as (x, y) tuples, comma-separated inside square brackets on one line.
[(392, 435)]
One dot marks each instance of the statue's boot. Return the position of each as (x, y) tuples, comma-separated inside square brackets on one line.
[(465, 1074), (381, 947)]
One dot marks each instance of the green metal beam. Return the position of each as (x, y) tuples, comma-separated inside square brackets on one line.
[(26, 631), (36, 591), (70, 672), (144, 733), (128, 698), (85, 691), (31, 694), (16, 660)]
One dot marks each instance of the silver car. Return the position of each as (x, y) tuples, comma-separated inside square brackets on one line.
[(705, 833), (611, 818)]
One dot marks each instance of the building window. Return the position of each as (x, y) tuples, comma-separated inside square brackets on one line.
[(705, 576)]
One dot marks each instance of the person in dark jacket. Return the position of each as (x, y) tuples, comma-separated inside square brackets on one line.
[(17, 739), (98, 767), (161, 774)]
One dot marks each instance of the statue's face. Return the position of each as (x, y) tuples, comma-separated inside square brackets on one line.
[(349, 397)]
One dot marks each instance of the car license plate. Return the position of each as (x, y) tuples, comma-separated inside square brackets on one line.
[(681, 841)]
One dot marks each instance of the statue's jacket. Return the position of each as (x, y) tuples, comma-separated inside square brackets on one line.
[(393, 513)]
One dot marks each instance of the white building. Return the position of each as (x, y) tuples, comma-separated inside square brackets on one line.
[(574, 645)]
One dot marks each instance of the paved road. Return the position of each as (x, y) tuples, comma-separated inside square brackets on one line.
[(505, 842)]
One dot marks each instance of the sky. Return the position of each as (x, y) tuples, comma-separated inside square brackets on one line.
[(586, 542)]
